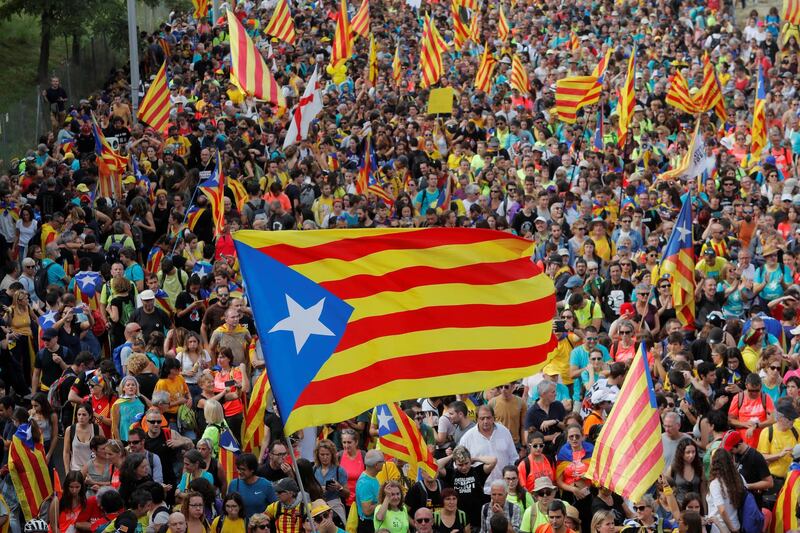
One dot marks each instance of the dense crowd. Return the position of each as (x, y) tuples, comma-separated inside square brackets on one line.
[(129, 346)]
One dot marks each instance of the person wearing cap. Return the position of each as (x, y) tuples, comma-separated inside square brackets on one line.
[(778, 440), (536, 515), (50, 362), (772, 278), (287, 513), (752, 465), (368, 489), (149, 316), (711, 266), (602, 400)]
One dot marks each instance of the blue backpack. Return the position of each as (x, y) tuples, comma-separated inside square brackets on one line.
[(116, 356), (750, 516)]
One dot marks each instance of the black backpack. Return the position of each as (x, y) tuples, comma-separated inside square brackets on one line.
[(112, 255), (40, 281)]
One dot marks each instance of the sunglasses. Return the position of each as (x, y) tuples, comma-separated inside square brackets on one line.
[(667, 286), (544, 493), (260, 526), (423, 520), (537, 446), (132, 442), (774, 368), (574, 437), (595, 358), (319, 518), (670, 405), (626, 332), (639, 508), (591, 339)]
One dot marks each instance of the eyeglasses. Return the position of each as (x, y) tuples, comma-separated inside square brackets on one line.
[(537, 446), (574, 437), (626, 332), (419, 416), (319, 518), (423, 520), (544, 493), (667, 286), (671, 404), (639, 508), (195, 505), (595, 358), (134, 442), (590, 339), (774, 368), (157, 422)]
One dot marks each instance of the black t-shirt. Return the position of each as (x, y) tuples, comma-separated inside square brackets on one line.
[(147, 384), (96, 257), (56, 97), (273, 474), (613, 296), (194, 318), (469, 488), (753, 468), (158, 320), (523, 224), (420, 496), (50, 370)]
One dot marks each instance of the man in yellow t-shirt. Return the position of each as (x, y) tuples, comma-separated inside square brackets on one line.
[(777, 441), (711, 266)]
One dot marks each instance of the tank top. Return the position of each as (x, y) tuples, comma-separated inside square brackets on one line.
[(93, 476), (353, 467), (81, 453)]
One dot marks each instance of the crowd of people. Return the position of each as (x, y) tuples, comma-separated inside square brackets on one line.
[(129, 347)]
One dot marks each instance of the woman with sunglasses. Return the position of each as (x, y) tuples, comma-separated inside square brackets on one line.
[(572, 463), (771, 364), (232, 518), (258, 523), (536, 464)]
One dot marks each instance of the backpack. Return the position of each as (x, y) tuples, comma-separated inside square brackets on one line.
[(40, 281), (54, 396), (307, 196), (740, 400), (258, 212), (127, 309), (771, 432), (750, 516), (116, 356), (112, 255)]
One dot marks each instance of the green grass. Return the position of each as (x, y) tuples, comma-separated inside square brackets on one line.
[(19, 49)]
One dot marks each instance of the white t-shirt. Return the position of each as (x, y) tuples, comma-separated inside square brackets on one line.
[(717, 498), (26, 233)]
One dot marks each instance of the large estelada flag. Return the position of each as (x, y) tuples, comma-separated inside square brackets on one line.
[(785, 511), (350, 319), (29, 473)]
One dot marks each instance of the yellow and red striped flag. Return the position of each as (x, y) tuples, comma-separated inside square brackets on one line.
[(460, 30), (397, 67), (328, 302), (248, 70), (253, 427), (519, 76), (678, 95), (28, 469), (628, 456), (679, 263), (281, 25), (791, 11), (785, 515), (343, 38), (710, 94), (360, 23), (155, 106), (572, 94), (599, 72), (472, 5), (483, 78), (201, 8), (503, 29), (239, 193), (228, 452), (432, 48), (214, 189), (372, 61), (574, 43), (758, 131), (627, 99), (399, 437), (475, 27)]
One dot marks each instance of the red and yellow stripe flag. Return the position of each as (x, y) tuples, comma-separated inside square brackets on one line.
[(248, 70), (253, 427), (155, 106), (28, 469), (460, 30), (475, 27), (758, 131), (281, 25), (372, 61), (574, 43), (201, 8), (678, 95), (627, 99), (399, 437), (485, 74), (785, 515), (519, 76), (356, 318), (360, 23), (239, 193), (628, 456), (576, 92), (397, 67), (472, 5), (503, 29), (791, 11), (343, 38), (432, 48), (710, 94)]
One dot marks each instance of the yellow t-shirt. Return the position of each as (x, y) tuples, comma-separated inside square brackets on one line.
[(559, 361), (176, 387), (709, 271), (229, 525), (781, 440)]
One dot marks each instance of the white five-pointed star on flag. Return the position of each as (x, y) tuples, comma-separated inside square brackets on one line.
[(383, 418), (303, 322)]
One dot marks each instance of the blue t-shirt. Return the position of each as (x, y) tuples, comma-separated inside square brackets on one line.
[(134, 273), (256, 496), (185, 480), (773, 288), (367, 488), (334, 473), (55, 274), (579, 356)]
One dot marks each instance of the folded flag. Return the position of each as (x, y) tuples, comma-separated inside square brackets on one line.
[(399, 437)]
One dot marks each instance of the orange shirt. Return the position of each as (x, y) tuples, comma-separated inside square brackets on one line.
[(752, 409)]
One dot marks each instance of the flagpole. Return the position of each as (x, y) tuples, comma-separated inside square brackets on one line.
[(306, 508), (186, 215)]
